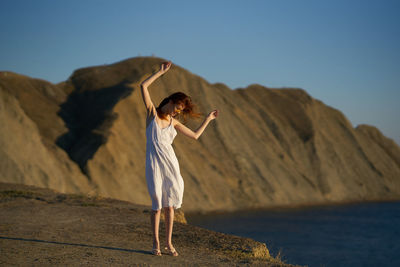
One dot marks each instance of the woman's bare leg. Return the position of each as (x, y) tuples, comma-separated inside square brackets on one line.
[(169, 223), (155, 225)]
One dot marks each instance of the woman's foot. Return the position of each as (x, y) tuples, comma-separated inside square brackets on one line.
[(171, 251), (156, 249), (156, 252)]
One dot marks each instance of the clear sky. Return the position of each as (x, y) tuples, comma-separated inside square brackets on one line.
[(343, 52)]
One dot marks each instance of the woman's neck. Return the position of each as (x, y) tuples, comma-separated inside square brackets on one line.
[(163, 115), (164, 111)]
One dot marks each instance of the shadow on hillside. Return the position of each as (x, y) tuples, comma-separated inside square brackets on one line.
[(73, 244), (88, 114)]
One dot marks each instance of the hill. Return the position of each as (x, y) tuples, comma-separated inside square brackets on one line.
[(269, 147)]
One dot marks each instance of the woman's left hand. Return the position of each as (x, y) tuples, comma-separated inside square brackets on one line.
[(165, 66), (213, 114)]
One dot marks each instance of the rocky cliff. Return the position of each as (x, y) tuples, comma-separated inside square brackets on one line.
[(268, 146)]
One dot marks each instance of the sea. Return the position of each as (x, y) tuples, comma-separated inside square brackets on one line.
[(365, 234)]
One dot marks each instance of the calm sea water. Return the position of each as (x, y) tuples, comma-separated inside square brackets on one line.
[(352, 235)]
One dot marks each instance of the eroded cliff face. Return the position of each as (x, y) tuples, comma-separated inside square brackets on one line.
[(28, 130), (267, 147)]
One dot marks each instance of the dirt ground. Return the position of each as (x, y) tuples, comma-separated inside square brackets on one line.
[(41, 227)]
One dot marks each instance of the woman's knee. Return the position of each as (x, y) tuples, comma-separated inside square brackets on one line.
[(168, 209), (155, 211)]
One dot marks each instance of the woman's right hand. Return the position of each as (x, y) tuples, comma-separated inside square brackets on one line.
[(213, 114), (165, 66)]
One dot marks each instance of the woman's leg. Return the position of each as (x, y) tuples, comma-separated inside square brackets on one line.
[(169, 223), (155, 225)]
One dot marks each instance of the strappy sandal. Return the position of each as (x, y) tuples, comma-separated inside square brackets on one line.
[(171, 252), (156, 252)]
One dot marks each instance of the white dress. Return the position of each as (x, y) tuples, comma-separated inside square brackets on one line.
[(164, 180)]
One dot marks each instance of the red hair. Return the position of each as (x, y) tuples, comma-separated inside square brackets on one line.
[(179, 98)]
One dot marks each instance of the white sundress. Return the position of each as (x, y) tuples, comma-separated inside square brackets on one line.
[(164, 180)]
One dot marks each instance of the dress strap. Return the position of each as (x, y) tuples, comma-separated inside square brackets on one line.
[(155, 121)]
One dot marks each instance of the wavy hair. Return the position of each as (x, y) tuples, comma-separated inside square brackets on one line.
[(183, 99)]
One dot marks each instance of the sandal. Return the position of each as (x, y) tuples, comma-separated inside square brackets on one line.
[(171, 252), (156, 252)]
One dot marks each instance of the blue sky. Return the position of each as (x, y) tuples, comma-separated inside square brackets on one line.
[(345, 53)]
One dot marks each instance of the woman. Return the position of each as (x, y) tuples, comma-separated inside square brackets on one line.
[(164, 181)]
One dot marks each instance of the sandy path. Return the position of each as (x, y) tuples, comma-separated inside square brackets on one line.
[(41, 227)]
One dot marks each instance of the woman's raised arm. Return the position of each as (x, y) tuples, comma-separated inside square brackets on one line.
[(196, 134), (146, 83)]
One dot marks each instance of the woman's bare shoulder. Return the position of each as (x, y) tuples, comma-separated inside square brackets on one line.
[(175, 122)]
